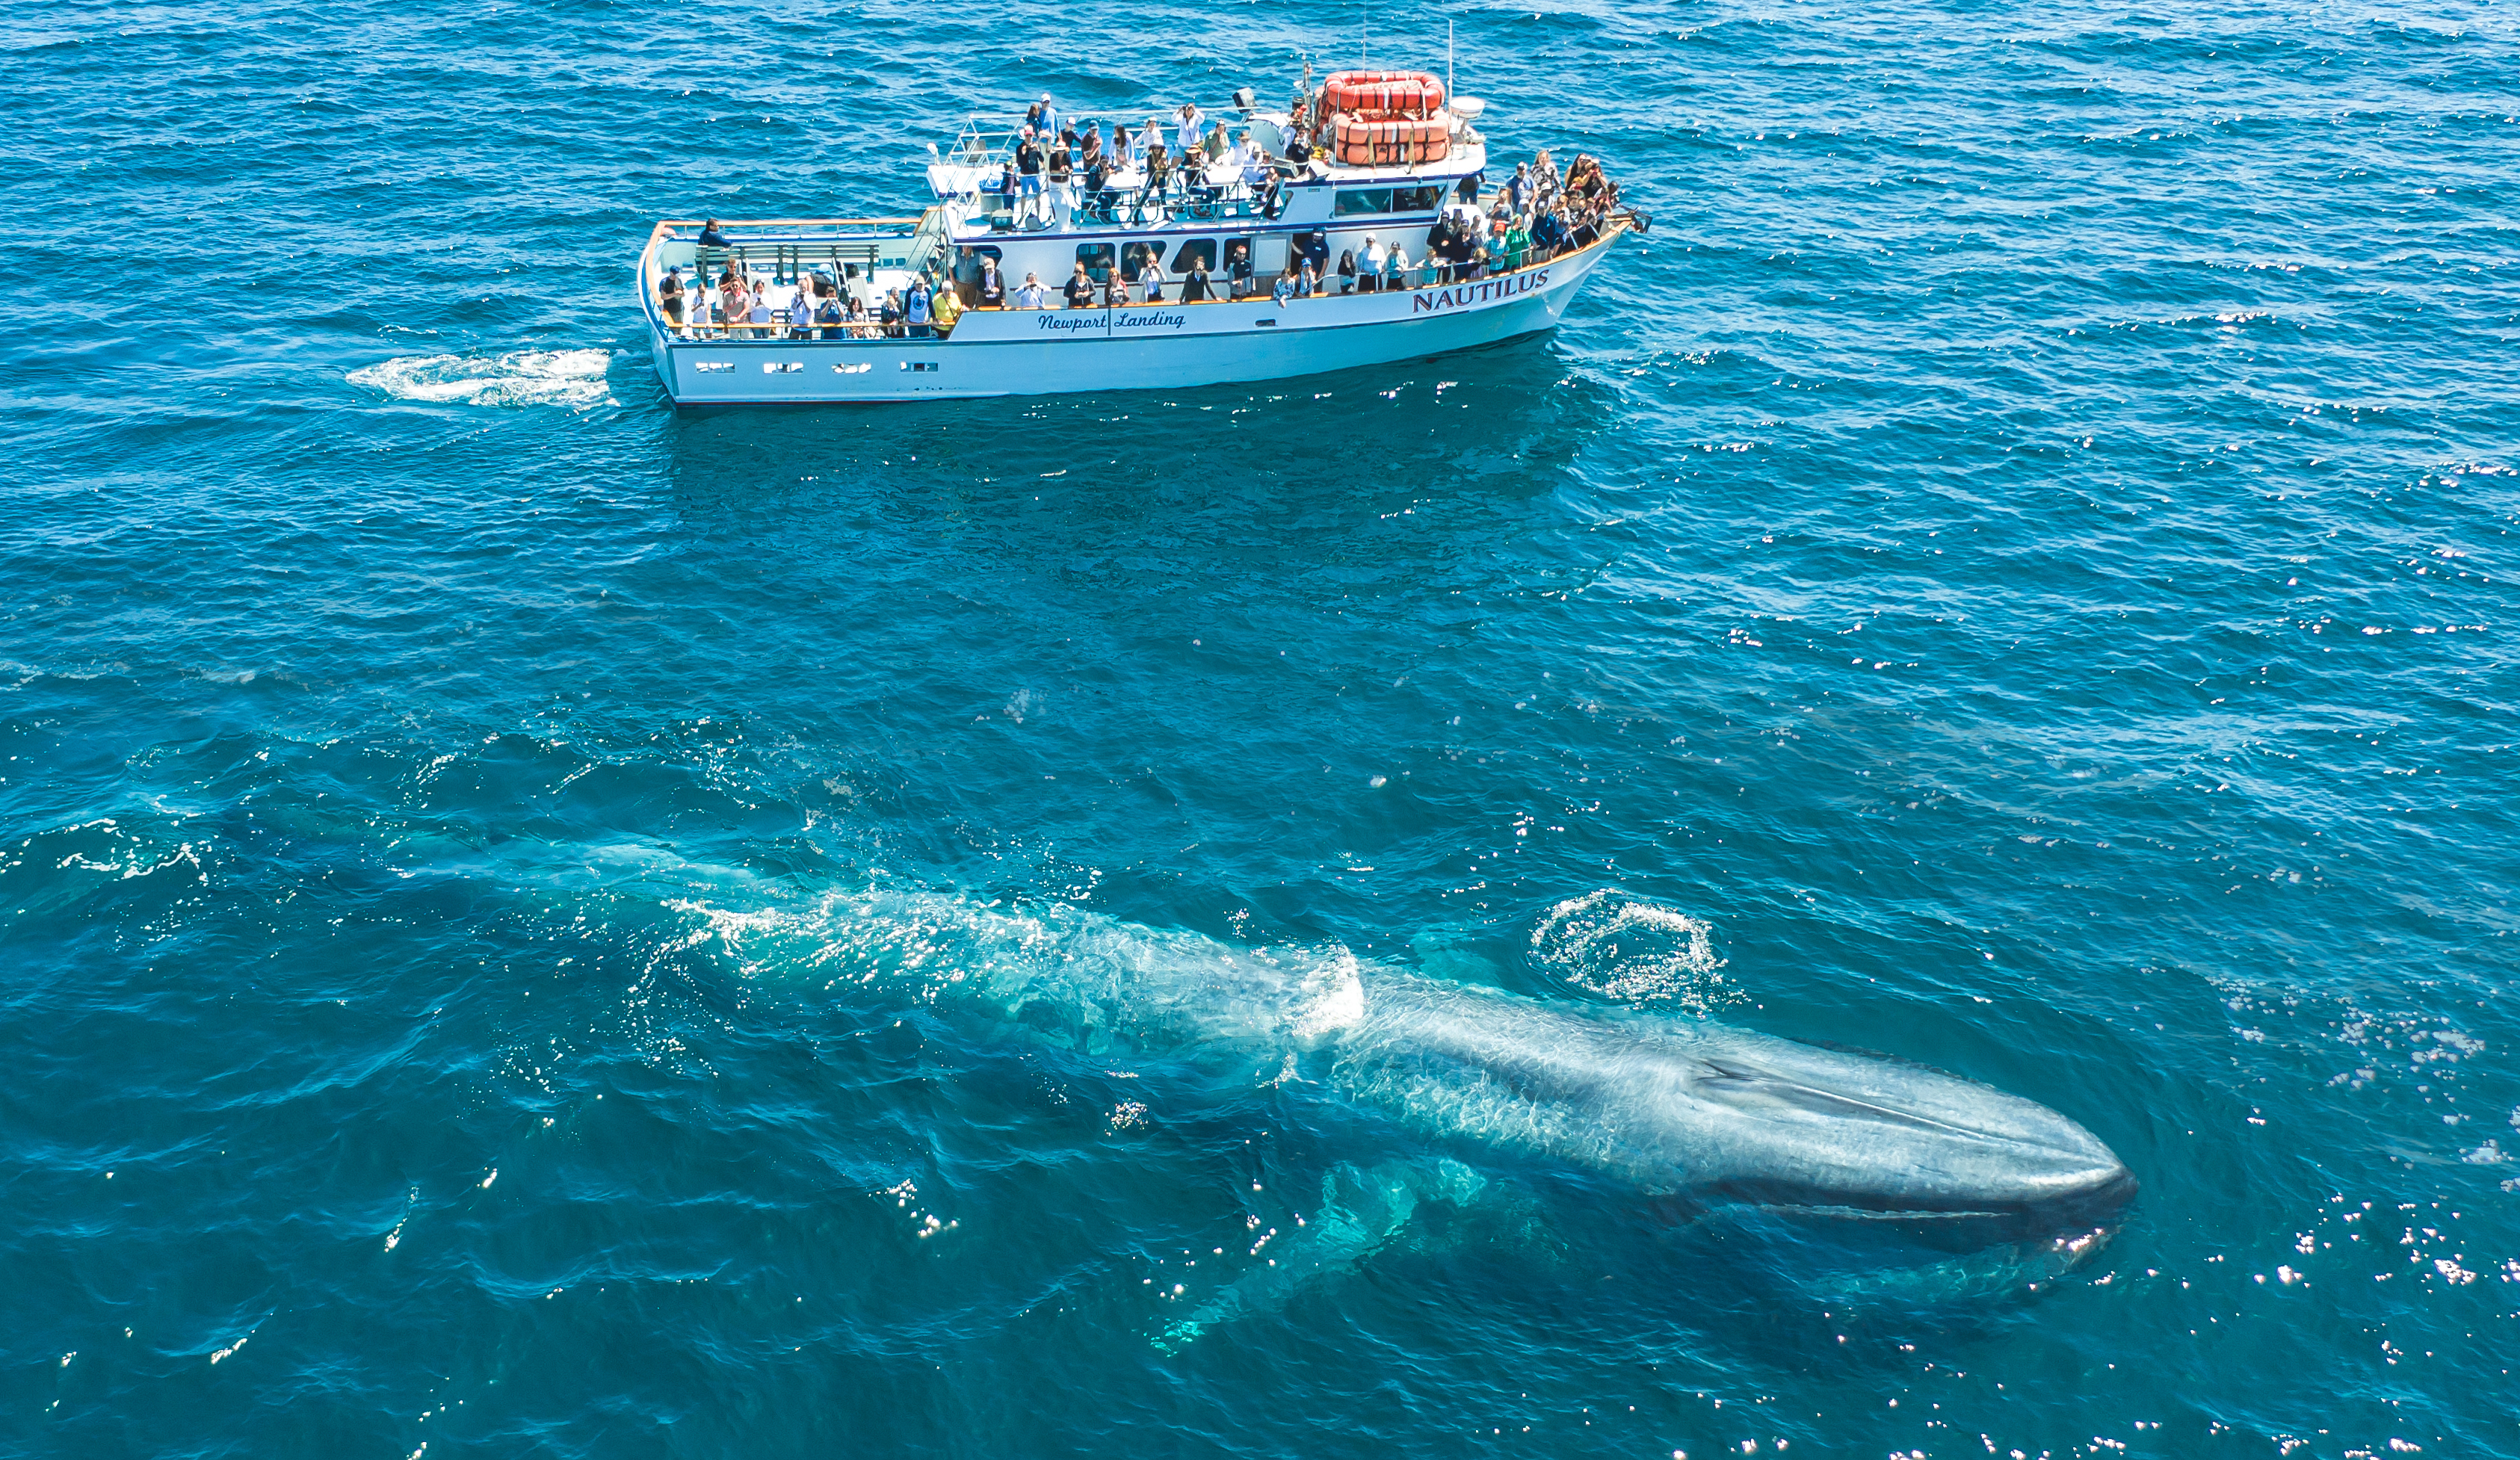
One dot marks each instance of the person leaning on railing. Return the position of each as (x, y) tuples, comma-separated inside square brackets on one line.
[(1079, 289), (669, 296)]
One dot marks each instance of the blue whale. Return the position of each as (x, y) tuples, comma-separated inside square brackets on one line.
[(1676, 1107)]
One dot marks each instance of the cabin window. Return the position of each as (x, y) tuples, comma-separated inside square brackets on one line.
[(1355, 200), (1415, 199), (1097, 260), (1134, 258), (1199, 251)]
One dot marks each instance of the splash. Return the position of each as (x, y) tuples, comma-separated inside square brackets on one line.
[(1616, 947), (574, 378)]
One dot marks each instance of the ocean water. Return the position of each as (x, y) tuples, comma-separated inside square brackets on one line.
[(2015, 572)]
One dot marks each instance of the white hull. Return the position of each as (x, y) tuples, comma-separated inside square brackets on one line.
[(1137, 347)]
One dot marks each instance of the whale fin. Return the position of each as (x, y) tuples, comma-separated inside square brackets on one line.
[(1362, 1212)]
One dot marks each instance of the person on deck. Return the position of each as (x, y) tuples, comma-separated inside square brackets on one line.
[(1188, 131), (1237, 271), (1368, 267), (1194, 290), (918, 309), (1080, 289), (1047, 126), (1548, 235), (1062, 184), (1286, 288), (1348, 271), (1395, 268), (889, 317), (1150, 275), (1519, 189), (949, 308), (993, 285), (828, 314), (1034, 294), (1030, 158), (733, 305), (860, 324), (1097, 189), (710, 238), (669, 296)]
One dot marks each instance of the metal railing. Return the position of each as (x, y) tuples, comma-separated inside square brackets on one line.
[(784, 330)]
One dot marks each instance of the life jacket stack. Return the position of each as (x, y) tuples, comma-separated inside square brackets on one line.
[(1387, 118)]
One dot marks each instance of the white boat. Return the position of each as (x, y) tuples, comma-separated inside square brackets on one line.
[(1279, 203)]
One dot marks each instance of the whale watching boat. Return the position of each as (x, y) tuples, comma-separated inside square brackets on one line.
[(1359, 226)]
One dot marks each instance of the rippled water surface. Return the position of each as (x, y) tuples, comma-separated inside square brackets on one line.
[(2015, 573)]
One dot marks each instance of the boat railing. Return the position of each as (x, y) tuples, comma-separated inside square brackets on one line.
[(1128, 205), (780, 330), (788, 249)]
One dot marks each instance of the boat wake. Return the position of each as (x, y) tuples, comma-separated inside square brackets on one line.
[(576, 379)]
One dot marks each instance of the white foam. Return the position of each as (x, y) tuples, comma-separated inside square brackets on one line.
[(1618, 946), (519, 378)]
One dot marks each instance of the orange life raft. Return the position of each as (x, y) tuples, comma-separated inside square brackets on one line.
[(1383, 141), (1390, 93)]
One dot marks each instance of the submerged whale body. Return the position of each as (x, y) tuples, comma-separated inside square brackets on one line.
[(1682, 1108)]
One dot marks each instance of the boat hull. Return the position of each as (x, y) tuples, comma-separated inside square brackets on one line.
[(1135, 347)]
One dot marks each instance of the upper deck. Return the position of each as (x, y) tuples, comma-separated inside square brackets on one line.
[(1263, 189)]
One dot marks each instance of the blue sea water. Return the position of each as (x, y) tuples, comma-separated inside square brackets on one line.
[(2015, 572)]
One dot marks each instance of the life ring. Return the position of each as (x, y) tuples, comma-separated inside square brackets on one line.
[(1385, 93)]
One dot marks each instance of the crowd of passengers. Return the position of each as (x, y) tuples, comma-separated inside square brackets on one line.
[(1538, 214)]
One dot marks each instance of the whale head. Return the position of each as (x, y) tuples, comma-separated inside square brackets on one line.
[(1828, 1130)]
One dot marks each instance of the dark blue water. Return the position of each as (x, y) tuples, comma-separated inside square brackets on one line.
[(2022, 556)]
